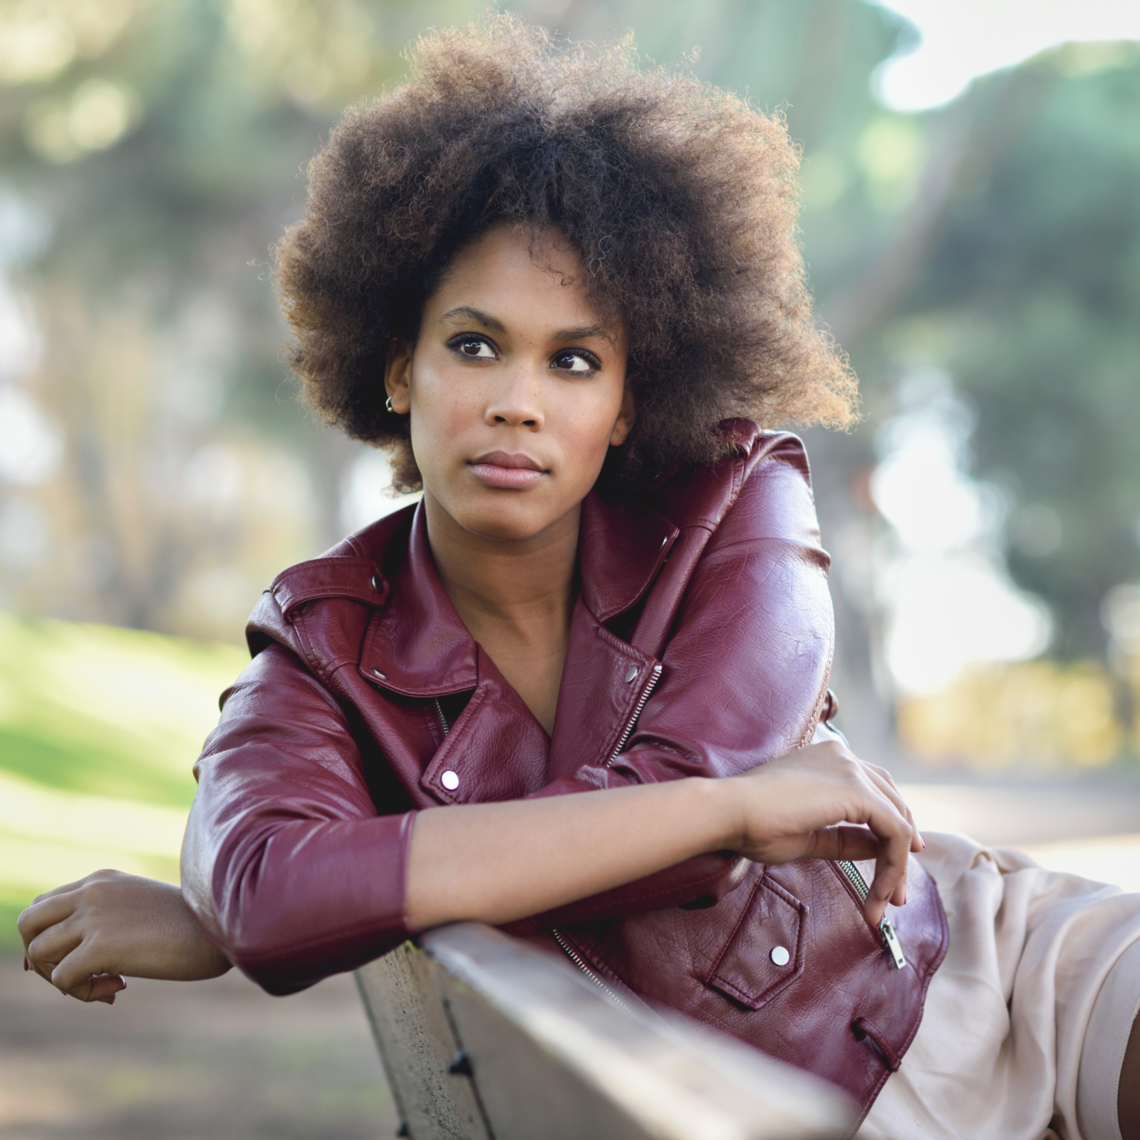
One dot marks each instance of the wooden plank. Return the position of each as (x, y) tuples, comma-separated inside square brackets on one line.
[(403, 997), (550, 1057)]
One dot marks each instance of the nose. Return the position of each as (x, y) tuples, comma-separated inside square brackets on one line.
[(517, 401)]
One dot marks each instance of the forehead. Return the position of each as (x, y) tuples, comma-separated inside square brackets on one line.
[(521, 276)]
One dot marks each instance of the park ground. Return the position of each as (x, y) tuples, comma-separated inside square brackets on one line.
[(98, 731)]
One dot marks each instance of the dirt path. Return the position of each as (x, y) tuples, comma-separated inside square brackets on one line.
[(216, 1060)]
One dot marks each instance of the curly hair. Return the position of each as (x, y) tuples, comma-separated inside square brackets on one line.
[(680, 199)]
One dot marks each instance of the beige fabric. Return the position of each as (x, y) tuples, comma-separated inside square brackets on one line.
[(998, 1054), (1105, 1042)]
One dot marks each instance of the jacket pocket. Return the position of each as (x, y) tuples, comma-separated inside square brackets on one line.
[(765, 952)]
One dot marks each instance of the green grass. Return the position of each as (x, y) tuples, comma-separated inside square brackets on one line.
[(103, 711), (44, 755), (9, 936)]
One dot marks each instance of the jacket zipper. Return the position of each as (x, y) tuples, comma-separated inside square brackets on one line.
[(654, 677), (890, 938), (567, 949), (442, 719), (580, 962)]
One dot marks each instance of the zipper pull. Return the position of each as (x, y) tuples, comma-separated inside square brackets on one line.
[(891, 942)]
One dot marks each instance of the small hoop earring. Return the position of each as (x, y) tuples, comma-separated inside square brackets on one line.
[(388, 406)]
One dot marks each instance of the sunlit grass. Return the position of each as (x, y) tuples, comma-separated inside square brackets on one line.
[(99, 730)]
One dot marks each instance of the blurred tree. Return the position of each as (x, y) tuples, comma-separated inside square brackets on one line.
[(161, 144), (1016, 266), (155, 149), (1035, 282)]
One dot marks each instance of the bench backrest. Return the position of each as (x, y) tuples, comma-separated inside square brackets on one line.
[(486, 1038)]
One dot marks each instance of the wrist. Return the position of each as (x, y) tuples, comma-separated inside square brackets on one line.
[(718, 807)]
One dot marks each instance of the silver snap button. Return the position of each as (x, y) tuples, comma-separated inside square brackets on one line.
[(376, 583), (450, 780), (630, 673), (780, 955), (382, 676)]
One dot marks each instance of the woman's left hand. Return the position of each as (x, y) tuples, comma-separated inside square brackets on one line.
[(85, 936), (823, 802)]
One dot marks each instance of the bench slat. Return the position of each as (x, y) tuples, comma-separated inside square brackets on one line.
[(549, 1057)]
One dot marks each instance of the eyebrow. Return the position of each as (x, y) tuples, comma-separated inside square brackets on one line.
[(486, 321), (564, 336), (583, 333)]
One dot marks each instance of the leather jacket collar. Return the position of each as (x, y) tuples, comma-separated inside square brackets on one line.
[(619, 554)]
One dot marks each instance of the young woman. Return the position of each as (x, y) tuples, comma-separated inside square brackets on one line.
[(581, 690)]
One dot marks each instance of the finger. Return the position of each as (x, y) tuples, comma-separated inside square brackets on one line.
[(103, 987), (855, 843), (848, 842), (889, 883), (48, 949), (883, 780), (75, 970), (842, 842), (886, 784), (894, 834), (47, 910), (65, 889)]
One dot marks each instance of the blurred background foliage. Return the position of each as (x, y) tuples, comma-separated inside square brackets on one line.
[(980, 262)]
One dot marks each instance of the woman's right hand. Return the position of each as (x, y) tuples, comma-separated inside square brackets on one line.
[(83, 937), (823, 802)]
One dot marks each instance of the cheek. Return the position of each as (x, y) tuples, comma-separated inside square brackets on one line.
[(589, 425), (438, 413)]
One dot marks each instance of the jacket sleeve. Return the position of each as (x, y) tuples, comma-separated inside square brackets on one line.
[(744, 674), (282, 830)]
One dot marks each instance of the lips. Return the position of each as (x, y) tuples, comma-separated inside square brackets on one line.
[(507, 470)]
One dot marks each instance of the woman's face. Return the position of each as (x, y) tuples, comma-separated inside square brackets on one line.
[(515, 388)]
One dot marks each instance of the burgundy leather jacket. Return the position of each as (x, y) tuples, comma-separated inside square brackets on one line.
[(700, 645)]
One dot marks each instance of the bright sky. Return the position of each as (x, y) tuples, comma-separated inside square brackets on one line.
[(948, 598), (962, 39)]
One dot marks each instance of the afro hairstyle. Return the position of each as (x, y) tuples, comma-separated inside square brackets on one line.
[(679, 197)]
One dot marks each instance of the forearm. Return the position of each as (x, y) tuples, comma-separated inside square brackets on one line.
[(500, 862)]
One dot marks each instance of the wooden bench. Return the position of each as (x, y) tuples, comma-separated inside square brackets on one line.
[(486, 1038)]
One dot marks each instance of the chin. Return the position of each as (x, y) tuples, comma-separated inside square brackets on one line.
[(502, 529), (507, 516)]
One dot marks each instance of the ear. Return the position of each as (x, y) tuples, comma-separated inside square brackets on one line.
[(626, 417), (398, 375)]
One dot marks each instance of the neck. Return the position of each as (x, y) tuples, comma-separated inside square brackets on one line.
[(524, 589)]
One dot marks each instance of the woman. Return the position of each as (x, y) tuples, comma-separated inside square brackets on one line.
[(548, 285)]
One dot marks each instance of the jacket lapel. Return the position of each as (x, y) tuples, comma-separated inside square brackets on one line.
[(417, 646), (496, 750), (619, 554), (602, 681)]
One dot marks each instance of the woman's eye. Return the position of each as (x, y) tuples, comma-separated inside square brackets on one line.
[(473, 346), (576, 361)]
